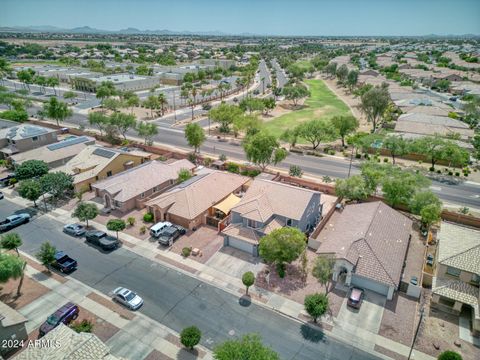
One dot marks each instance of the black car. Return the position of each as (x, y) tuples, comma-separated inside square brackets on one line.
[(5, 181), (181, 229), (101, 239), (169, 235)]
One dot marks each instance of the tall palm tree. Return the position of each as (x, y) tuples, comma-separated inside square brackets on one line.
[(162, 102)]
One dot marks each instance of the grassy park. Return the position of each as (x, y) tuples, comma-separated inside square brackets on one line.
[(321, 104)]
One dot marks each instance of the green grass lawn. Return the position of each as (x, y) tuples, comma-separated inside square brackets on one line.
[(322, 104)]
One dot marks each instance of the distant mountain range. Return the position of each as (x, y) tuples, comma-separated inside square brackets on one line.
[(90, 30)]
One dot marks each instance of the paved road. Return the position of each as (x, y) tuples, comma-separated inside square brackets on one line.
[(178, 300), (281, 76)]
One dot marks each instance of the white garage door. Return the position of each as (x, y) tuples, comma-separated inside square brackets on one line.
[(369, 284), (240, 245)]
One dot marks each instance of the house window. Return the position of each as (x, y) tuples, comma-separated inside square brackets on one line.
[(109, 173), (453, 271), (289, 222), (35, 138), (142, 195), (251, 223)]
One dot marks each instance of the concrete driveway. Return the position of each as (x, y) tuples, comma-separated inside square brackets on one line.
[(368, 318), (235, 262)]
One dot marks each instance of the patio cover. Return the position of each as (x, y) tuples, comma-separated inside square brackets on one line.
[(227, 204)]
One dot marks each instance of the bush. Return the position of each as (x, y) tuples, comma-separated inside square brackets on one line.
[(84, 326), (131, 220), (457, 174), (233, 168), (450, 173), (385, 160), (186, 251), (251, 173), (358, 156), (449, 355), (431, 168), (190, 336), (331, 152), (439, 171), (192, 157), (148, 217), (143, 230), (366, 156)]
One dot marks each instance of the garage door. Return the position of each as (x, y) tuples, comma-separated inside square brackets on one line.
[(241, 245), (369, 284)]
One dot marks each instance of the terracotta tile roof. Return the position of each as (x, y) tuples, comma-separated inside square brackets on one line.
[(371, 236), (133, 182), (457, 290), (459, 247), (241, 232), (265, 198), (198, 194)]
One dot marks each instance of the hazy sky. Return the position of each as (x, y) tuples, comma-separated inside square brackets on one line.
[(275, 17)]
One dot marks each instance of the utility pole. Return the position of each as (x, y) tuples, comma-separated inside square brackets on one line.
[(416, 331), (350, 166), (174, 107)]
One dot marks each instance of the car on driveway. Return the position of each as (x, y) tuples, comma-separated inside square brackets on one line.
[(127, 298), (74, 229), (102, 240), (169, 235), (355, 297), (430, 259), (14, 220), (66, 314)]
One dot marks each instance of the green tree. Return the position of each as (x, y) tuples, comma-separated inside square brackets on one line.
[(373, 174), (56, 110), (399, 186), (295, 93), (252, 104), (432, 147), (195, 136), (5, 68), (354, 188), (132, 101), (249, 347), (31, 169), (282, 246), (248, 279), (98, 120), (12, 267), (30, 189), (183, 175), (331, 68), (295, 171), (26, 77), (316, 131), (263, 149), (53, 82), (116, 225), (344, 125), (430, 214), (123, 122), (373, 104), (225, 114), (190, 336), (56, 183), (423, 198), (323, 270), (476, 146), (342, 73), (11, 241), (46, 254), (147, 131), (396, 145), (449, 355), (69, 95), (269, 104), (152, 103), (85, 211), (352, 79), (291, 136), (316, 305)]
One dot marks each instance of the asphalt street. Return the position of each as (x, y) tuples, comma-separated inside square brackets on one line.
[(177, 300), (281, 76)]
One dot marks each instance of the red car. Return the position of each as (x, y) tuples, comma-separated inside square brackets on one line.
[(355, 298)]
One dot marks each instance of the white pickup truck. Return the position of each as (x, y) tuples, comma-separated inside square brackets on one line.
[(14, 220)]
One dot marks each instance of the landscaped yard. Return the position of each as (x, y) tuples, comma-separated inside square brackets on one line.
[(321, 104)]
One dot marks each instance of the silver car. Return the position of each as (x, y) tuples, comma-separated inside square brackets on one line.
[(74, 229), (127, 298)]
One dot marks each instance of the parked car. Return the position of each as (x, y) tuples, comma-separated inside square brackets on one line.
[(414, 280), (169, 235), (157, 229), (74, 229), (127, 297), (1, 195), (101, 239), (64, 263), (14, 220), (430, 259), (182, 230), (66, 314), (5, 181), (355, 298)]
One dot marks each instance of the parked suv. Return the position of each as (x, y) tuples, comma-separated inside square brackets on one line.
[(355, 298), (158, 228), (66, 314), (101, 239), (169, 235)]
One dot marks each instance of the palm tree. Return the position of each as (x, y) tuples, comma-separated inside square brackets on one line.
[(162, 102)]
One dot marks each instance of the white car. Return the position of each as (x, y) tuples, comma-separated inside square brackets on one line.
[(127, 298)]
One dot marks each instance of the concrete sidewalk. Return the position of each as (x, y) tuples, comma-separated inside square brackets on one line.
[(137, 337), (361, 338)]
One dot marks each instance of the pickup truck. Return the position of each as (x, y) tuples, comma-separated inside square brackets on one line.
[(64, 263), (14, 220), (101, 239)]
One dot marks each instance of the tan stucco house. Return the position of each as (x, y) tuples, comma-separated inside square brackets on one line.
[(24, 137)]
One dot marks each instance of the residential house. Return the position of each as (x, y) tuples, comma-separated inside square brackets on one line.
[(67, 344), (268, 205), (131, 188), (95, 163), (56, 154), (12, 327), (456, 282), (192, 203), (24, 137), (369, 243)]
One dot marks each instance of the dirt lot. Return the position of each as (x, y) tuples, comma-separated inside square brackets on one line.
[(205, 238), (398, 321), (295, 288), (130, 230), (31, 290)]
